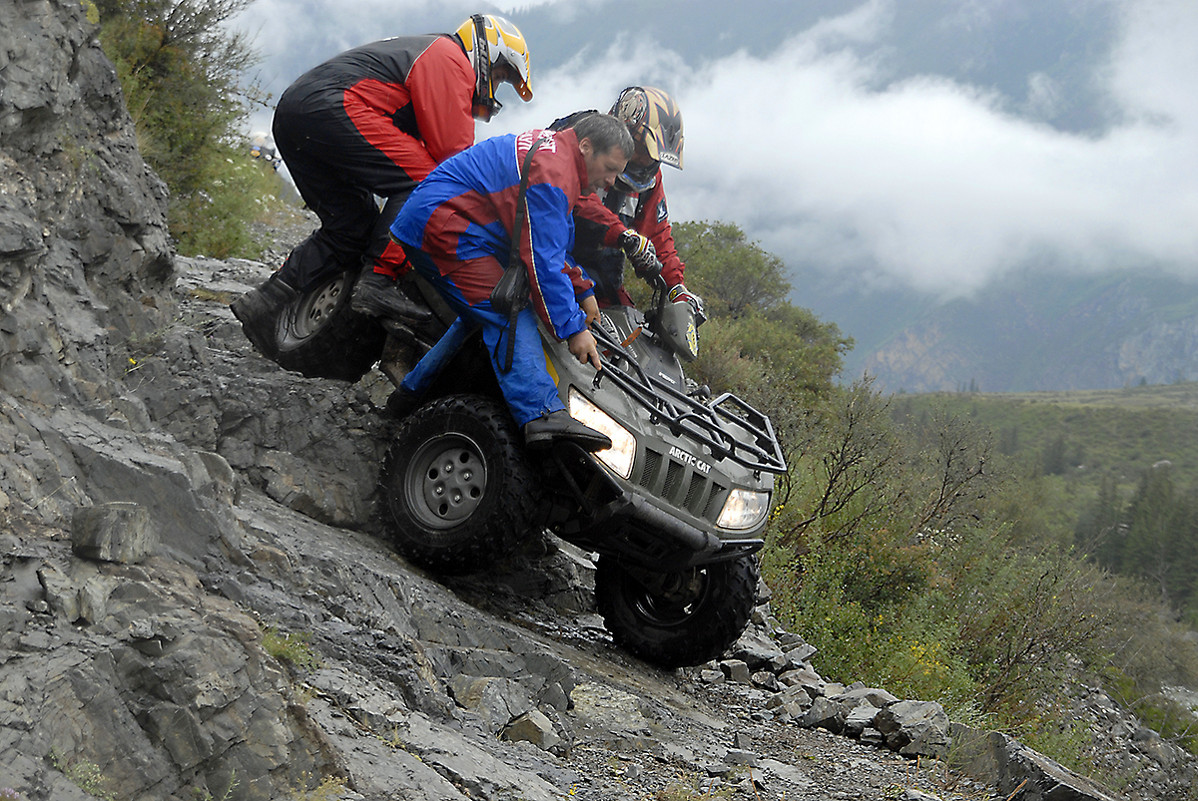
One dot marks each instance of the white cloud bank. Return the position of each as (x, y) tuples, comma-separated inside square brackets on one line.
[(931, 183)]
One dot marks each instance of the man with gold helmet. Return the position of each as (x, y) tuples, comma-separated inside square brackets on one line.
[(631, 219), (375, 121)]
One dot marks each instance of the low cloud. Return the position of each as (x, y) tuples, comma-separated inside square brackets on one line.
[(929, 182)]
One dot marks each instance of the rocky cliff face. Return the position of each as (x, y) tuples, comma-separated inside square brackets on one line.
[(197, 599)]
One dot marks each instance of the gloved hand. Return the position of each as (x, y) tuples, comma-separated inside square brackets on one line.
[(641, 253), (679, 293)]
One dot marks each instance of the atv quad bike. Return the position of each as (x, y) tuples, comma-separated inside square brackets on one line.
[(675, 509)]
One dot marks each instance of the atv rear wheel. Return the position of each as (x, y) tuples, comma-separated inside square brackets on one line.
[(320, 336), (680, 618), (458, 486)]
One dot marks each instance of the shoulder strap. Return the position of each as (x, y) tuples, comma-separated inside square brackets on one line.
[(521, 205), (514, 260)]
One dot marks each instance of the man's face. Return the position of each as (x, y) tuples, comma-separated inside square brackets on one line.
[(602, 168)]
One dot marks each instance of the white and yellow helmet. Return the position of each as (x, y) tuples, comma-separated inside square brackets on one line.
[(499, 53)]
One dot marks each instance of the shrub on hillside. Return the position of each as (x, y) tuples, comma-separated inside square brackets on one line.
[(181, 70)]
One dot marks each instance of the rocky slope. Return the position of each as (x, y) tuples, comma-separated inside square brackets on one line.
[(197, 598)]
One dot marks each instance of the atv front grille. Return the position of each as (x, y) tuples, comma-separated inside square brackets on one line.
[(652, 463), (694, 493), (715, 503), (681, 486), (674, 472)]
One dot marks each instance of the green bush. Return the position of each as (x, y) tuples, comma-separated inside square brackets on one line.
[(291, 648), (216, 222), (181, 70), (868, 605), (916, 559)]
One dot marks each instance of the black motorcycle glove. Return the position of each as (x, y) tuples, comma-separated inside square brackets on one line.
[(641, 253), (680, 294)]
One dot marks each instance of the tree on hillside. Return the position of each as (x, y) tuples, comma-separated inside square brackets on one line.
[(1100, 526), (1160, 540), (181, 71), (756, 342), (732, 274)]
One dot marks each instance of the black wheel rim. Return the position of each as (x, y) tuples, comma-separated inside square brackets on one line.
[(445, 481), (671, 601)]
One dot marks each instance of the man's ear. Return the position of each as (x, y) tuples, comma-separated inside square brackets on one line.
[(586, 147)]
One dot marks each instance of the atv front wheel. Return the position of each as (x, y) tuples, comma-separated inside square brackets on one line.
[(678, 618), (320, 336), (458, 486)]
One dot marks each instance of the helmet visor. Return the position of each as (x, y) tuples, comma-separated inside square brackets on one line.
[(503, 72)]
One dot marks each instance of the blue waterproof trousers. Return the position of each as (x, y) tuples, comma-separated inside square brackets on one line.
[(527, 386)]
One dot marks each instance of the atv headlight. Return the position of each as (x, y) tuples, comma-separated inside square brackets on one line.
[(622, 453), (744, 509)]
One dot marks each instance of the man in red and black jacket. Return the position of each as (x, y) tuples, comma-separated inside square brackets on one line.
[(631, 219), (375, 121)]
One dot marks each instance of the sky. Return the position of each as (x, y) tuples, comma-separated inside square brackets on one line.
[(933, 145)]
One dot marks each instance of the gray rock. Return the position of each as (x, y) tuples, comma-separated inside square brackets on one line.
[(555, 696), (860, 717), (825, 714), (805, 677), (796, 694), (532, 727), (800, 654), (736, 671), (871, 736), (113, 532), (766, 680), (496, 701), (1002, 762), (917, 795), (914, 728), (856, 696), (787, 773), (758, 651), (738, 756)]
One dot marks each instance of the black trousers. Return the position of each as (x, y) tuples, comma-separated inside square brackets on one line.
[(339, 174)]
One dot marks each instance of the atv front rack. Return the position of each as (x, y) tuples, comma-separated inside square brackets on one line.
[(717, 425)]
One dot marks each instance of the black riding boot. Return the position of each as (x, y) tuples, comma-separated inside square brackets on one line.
[(258, 310), (378, 295), (541, 432)]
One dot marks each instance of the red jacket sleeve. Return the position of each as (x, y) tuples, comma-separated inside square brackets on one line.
[(653, 221), (591, 208), (441, 85)]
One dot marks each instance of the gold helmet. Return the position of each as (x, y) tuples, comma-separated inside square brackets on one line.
[(655, 122), (498, 51)]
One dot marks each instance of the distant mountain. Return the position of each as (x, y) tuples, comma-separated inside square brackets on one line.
[(1024, 333)]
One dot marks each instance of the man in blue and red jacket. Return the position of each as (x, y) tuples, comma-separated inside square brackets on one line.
[(457, 230), (371, 121)]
